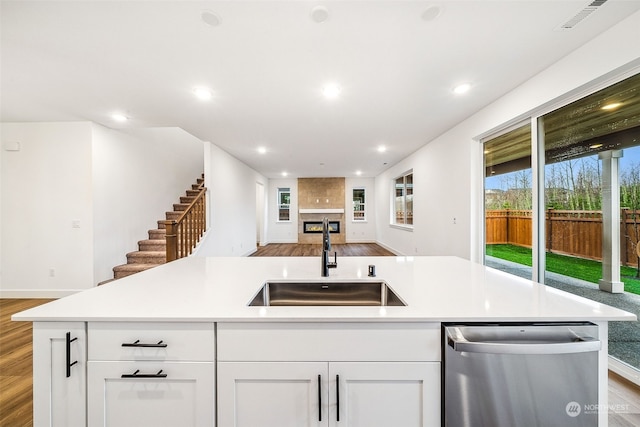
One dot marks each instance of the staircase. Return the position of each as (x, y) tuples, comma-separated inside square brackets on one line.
[(152, 251)]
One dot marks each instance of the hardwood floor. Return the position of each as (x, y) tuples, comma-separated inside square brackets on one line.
[(624, 402), (349, 249), (16, 378), (16, 401)]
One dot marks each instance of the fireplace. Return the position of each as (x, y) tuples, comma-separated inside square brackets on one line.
[(316, 227)]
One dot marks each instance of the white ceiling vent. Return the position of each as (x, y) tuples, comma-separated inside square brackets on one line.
[(582, 15)]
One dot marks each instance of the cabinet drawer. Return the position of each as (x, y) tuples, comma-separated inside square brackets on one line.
[(136, 394), (419, 342), (113, 341)]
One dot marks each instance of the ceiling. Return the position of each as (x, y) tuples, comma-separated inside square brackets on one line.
[(266, 62)]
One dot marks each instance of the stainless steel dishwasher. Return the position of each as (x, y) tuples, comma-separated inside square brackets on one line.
[(543, 374)]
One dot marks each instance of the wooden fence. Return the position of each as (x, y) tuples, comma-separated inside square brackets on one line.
[(576, 233)]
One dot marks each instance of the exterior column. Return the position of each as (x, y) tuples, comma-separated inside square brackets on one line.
[(610, 281)]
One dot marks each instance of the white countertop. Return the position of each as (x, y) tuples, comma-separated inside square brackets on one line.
[(219, 289)]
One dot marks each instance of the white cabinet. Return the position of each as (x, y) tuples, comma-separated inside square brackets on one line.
[(59, 374), (347, 394), (383, 394), (368, 375), (151, 394), (272, 394), (157, 374)]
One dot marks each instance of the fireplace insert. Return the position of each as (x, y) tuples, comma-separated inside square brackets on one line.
[(316, 226)]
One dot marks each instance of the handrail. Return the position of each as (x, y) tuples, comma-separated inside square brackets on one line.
[(184, 232)]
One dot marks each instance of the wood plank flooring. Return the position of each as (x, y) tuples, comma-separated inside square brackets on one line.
[(294, 249), (16, 380), (16, 377), (624, 402)]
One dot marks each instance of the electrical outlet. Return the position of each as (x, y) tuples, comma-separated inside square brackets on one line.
[(75, 223), (52, 272), (454, 220)]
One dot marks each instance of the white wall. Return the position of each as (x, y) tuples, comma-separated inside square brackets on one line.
[(360, 231), (282, 231), (448, 172), (46, 189), (137, 176), (231, 198), (77, 197)]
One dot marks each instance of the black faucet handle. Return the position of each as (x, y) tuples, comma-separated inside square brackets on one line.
[(333, 264)]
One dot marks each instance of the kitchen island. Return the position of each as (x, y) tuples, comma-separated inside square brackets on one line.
[(179, 344)]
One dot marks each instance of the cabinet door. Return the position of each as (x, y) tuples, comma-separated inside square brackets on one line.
[(383, 394), (151, 394), (272, 394), (59, 374)]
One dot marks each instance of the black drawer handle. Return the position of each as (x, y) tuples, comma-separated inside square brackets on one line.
[(137, 374), (137, 343), (319, 397), (338, 398), (69, 363)]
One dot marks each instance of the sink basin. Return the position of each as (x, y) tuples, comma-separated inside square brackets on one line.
[(346, 293)]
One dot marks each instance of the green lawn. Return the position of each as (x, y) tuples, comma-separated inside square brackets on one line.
[(580, 268)]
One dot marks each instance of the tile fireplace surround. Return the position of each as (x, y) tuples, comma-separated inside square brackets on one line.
[(320, 198)]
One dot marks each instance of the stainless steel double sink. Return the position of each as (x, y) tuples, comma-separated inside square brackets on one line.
[(326, 293)]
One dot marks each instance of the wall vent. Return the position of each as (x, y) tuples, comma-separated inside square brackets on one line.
[(582, 15)]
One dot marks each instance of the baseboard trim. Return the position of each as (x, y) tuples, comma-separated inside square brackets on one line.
[(625, 370), (389, 248), (248, 253), (38, 293)]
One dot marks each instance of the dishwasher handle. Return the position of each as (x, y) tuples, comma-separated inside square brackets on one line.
[(582, 344)]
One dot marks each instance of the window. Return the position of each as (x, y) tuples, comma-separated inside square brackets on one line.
[(508, 199), (359, 205), (403, 200), (284, 204)]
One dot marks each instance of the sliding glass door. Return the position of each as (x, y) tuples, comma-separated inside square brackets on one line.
[(587, 221)]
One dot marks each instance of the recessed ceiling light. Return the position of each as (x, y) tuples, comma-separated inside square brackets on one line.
[(594, 146), (611, 106), (284, 174), (431, 13), (119, 117), (262, 150), (331, 91), (202, 93), (358, 173), (210, 18), (462, 88), (382, 149), (319, 14)]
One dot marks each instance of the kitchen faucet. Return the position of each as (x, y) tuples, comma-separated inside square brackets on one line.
[(326, 248)]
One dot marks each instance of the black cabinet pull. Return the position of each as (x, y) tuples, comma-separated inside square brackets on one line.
[(137, 343), (69, 363), (337, 397), (137, 374), (319, 397)]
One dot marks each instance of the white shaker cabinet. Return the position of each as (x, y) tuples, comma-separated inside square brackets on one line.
[(383, 394), (59, 374), (272, 394), (332, 375), (347, 394), (151, 394), (151, 374)]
